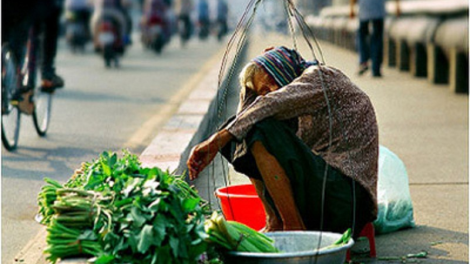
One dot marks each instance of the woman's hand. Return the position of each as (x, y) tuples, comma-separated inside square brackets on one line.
[(203, 153), (201, 156)]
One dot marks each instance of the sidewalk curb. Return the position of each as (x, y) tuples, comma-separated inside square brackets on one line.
[(166, 149), (32, 252)]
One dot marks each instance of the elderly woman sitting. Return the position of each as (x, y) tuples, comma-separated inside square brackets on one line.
[(308, 139)]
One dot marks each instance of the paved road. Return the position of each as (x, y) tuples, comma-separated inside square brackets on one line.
[(99, 109)]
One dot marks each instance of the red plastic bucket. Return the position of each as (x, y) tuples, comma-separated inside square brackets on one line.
[(241, 203)]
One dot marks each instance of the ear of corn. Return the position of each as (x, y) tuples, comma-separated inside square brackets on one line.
[(235, 236)]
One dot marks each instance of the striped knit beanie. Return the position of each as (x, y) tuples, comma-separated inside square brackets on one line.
[(283, 64)]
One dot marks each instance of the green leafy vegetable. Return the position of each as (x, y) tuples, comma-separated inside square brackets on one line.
[(130, 213)]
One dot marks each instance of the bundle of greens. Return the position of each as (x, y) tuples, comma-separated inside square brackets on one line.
[(70, 227), (234, 236), (139, 215)]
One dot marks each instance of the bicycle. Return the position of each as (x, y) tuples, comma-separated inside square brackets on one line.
[(20, 86)]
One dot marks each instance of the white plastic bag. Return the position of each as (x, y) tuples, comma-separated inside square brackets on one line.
[(393, 193)]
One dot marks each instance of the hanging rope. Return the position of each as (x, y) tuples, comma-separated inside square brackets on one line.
[(221, 96), (290, 15), (243, 27)]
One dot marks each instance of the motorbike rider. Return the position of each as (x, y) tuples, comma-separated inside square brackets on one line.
[(154, 8), (81, 10), (222, 14), (115, 10), (157, 12), (183, 10), (203, 18)]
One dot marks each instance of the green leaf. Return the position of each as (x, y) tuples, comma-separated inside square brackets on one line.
[(122, 245), (174, 244), (163, 255), (104, 155), (93, 181), (159, 225), (104, 161), (189, 227), (153, 207), (174, 189), (199, 230), (112, 160), (175, 210), (183, 248), (88, 234), (190, 204), (151, 173), (145, 239), (106, 168), (133, 240), (164, 207), (133, 186), (196, 250), (151, 188), (104, 259), (136, 217), (111, 236)]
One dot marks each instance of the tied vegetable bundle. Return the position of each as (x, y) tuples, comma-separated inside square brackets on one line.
[(234, 236), (70, 228), (119, 212)]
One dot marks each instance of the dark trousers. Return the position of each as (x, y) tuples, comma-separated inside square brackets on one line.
[(17, 18), (371, 44), (43, 16), (51, 27), (326, 199)]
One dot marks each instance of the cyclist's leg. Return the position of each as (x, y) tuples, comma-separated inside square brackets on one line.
[(51, 33), (17, 37), (29, 70)]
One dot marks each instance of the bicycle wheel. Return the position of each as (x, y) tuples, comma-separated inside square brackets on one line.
[(42, 99), (42, 111), (10, 112)]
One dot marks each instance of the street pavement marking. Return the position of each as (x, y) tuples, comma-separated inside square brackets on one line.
[(150, 127)]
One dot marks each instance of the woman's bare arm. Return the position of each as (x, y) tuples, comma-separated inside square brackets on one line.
[(203, 153)]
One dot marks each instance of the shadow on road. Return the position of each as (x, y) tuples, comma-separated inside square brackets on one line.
[(80, 95), (55, 163)]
